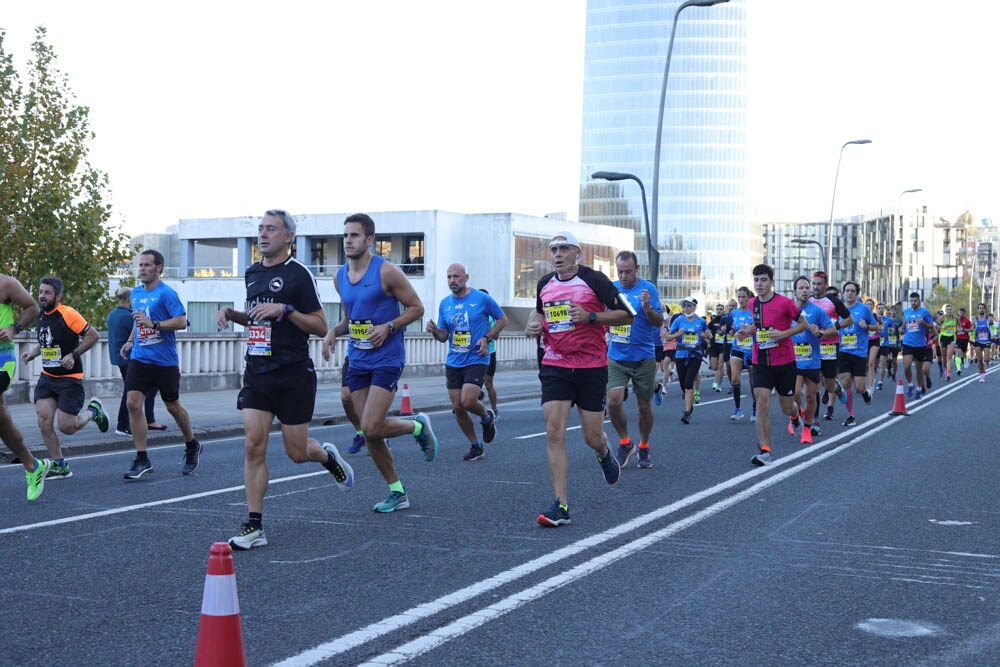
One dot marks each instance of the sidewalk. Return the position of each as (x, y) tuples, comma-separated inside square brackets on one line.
[(214, 413)]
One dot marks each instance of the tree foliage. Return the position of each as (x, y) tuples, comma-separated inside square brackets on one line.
[(54, 206)]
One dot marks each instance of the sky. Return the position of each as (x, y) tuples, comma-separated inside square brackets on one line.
[(219, 109)]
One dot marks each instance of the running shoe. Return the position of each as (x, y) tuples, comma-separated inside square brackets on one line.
[(928, 388), (644, 461), (909, 391), (916, 395), (250, 536), (624, 452), (982, 377), (341, 470), (356, 444), (959, 371), (697, 396), (940, 370), (610, 468), (658, 394), (36, 478), (806, 437), (715, 387), (686, 418), (815, 430), (139, 469), (841, 394), (100, 418), (829, 413), (947, 377), (761, 459), (489, 427), (59, 471), (427, 440), (192, 457), (753, 414), (395, 501), (879, 386), (475, 453), (850, 421), (791, 427), (737, 415), (124, 430), (555, 516)]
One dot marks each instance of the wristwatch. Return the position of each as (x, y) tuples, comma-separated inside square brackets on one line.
[(392, 327), (17, 327), (156, 326), (592, 317)]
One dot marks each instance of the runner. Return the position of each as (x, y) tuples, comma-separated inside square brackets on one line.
[(890, 348), (717, 325), (742, 354), (632, 356), (840, 316), (372, 290), (573, 306), (669, 353), (119, 327), (874, 342), (807, 361), (962, 341), (919, 324), (948, 325), (283, 310), (12, 293), (465, 317), (982, 342), (63, 337), (853, 349), (152, 353), (776, 319), (491, 390), (691, 333)]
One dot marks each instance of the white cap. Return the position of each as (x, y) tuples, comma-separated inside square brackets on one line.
[(564, 238), (689, 299)]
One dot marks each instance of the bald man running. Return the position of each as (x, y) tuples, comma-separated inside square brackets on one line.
[(464, 322)]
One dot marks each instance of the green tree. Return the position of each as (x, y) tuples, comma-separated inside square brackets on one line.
[(54, 207)]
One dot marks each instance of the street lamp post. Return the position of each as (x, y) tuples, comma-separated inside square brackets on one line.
[(893, 286), (829, 235), (659, 122), (651, 251), (822, 251)]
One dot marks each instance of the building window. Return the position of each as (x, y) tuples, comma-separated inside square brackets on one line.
[(383, 247), (201, 315), (413, 258)]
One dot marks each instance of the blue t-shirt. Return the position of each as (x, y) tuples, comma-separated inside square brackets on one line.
[(740, 319), (636, 341), (155, 346), (854, 339), (890, 332), (918, 323), (806, 343), (690, 344), (467, 319), (120, 324)]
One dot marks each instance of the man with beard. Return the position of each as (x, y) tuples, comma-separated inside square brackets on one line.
[(841, 317)]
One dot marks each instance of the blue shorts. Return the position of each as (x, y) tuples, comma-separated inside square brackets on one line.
[(386, 377)]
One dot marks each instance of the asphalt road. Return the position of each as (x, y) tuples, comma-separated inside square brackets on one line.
[(877, 545)]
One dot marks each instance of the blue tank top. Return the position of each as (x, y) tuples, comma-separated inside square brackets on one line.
[(367, 305)]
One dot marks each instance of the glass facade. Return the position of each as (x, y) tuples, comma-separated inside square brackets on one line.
[(706, 240)]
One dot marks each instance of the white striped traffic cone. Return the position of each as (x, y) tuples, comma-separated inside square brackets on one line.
[(220, 635), (406, 408)]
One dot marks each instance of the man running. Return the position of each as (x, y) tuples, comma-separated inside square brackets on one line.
[(464, 322), (574, 304), (742, 353), (853, 349), (153, 363), (63, 337), (691, 333), (962, 341), (717, 325), (840, 316), (283, 309), (12, 293), (874, 342), (807, 361), (632, 356), (491, 391), (776, 319), (948, 325), (890, 347), (981, 342), (918, 324), (372, 290)]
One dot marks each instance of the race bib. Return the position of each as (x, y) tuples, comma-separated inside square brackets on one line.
[(51, 357), (892, 338), (361, 334), (621, 334), (461, 341), (744, 343), (557, 316), (689, 340), (849, 342), (148, 336), (982, 336), (827, 351), (803, 352), (259, 340), (764, 341)]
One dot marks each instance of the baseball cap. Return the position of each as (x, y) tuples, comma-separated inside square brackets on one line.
[(564, 238), (689, 299)]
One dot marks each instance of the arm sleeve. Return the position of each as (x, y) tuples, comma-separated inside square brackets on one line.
[(842, 310)]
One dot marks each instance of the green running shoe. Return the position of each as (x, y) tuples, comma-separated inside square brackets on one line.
[(100, 417), (395, 501), (36, 478), (427, 440), (58, 471)]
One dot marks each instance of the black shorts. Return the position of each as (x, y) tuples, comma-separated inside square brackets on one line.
[(780, 377), (945, 341), (874, 342), (727, 351), (963, 344), (660, 354), (585, 387), (492, 369), (918, 353), (456, 376), (984, 346), (715, 349), (687, 371), (856, 366), (671, 353), (289, 392), (811, 374), (888, 351), (142, 377), (829, 368), (68, 392)]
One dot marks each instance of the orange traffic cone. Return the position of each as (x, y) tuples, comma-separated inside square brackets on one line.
[(406, 408), (220, 636), (899, 406)]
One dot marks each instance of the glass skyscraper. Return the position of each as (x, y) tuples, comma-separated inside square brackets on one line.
[(706, 241)]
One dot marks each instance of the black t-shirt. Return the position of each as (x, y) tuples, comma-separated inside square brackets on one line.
[(272, 344)]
